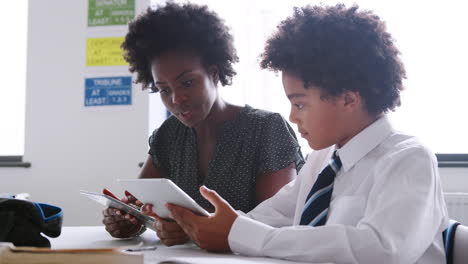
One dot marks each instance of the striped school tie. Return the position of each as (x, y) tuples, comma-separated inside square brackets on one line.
[(316, 207)]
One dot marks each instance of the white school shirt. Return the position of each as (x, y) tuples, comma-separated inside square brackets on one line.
[(387, 207)]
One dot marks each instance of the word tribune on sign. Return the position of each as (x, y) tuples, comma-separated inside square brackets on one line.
[(108, 91)]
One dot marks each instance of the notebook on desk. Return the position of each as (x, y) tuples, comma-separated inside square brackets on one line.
[(33, 255)]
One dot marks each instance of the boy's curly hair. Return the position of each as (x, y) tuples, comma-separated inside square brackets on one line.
[(339, 49), (186, 27)]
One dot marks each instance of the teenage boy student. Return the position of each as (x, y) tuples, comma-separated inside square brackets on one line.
[(368, 194)]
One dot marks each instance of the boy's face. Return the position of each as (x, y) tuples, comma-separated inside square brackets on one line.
[(319, 120)]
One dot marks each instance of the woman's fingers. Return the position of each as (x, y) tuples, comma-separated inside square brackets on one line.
[(170, 235), (174, 241), (131, 198), (147, 209), (168, 226), (120, 227)]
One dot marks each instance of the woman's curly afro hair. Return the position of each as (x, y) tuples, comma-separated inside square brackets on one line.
[(186, 27), (339, 49)]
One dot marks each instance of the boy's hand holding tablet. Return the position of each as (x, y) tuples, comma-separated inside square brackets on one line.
[(212, 232)]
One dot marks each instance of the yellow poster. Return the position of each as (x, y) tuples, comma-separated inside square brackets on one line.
[(104, 52)]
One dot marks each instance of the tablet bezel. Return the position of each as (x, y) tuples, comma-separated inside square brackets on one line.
[(159, 192)]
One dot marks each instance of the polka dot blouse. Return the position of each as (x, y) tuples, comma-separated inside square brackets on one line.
[(253, 143)]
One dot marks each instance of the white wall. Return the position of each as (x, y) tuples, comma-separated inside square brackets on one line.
[(72, 147), (454, 179)]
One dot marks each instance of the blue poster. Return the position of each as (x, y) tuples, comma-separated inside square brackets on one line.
[(108, 91)]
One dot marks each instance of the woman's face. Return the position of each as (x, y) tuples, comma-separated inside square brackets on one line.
[(187, 89)]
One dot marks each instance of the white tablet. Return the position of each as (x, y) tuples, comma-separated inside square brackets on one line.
[(109, 201), (159, 192)]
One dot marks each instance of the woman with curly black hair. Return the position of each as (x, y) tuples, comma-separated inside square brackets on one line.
[(184, 52), (368, 193)]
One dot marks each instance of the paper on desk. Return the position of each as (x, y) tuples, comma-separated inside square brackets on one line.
[(225, 259), (191, 254)]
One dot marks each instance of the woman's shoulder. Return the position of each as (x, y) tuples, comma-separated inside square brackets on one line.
[(256, 114), (168, 127), (171, 122), (263, 123)]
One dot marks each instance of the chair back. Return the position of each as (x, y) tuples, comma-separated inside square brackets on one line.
[(456, 243), (460, 245)]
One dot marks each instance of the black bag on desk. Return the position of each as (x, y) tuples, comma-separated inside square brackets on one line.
[(22, 222)]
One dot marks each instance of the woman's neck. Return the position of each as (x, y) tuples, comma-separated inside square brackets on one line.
[(220, 113)]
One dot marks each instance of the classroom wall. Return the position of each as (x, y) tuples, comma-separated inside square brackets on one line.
[(72, 147), (454, 179)]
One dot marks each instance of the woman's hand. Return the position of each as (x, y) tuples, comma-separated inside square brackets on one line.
[(118, 223), (170, 233)]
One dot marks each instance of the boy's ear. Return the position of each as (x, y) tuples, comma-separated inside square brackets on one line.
[(351, 100)]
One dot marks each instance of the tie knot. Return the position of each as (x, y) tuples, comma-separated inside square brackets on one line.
[(335, 162)]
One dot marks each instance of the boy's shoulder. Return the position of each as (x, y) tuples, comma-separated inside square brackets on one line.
[(402, 146), (403, 141)]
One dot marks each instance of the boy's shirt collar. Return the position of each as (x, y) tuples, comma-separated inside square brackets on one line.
[(361, 144)]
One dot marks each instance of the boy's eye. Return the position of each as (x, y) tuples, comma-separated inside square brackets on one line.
[(299, 106)]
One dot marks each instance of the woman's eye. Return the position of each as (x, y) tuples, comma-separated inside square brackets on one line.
[(187, 83), (153, 88), (163, 91)]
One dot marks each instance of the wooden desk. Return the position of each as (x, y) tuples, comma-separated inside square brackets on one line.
[(97, 237)]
